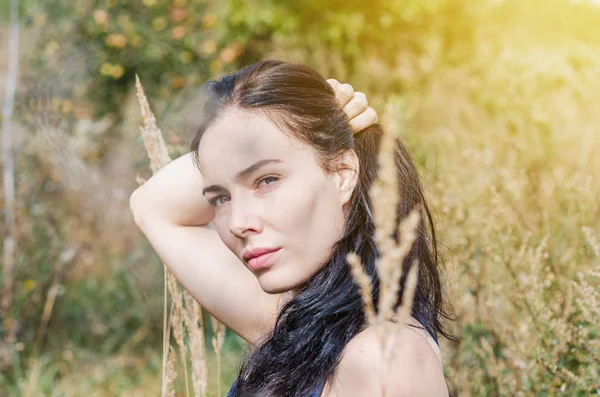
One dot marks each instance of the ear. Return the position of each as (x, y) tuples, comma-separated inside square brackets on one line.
[(346, 175)]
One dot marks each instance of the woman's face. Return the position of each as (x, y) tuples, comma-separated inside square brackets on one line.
[(289, 202)]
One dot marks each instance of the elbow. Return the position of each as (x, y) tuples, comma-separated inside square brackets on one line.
[(136, 205)]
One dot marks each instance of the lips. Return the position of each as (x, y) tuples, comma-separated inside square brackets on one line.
[(260, 258), (257, 252)]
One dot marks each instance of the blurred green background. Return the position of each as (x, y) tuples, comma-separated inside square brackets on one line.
[(500, 108)]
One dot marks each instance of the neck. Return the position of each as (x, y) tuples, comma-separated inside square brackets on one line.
[(286, 296)]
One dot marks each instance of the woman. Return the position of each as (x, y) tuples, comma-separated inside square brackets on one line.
[(257, 220)]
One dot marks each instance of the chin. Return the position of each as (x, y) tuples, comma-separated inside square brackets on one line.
[(272, 283)]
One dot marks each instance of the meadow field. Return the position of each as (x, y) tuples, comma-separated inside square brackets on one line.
[(498, 101)]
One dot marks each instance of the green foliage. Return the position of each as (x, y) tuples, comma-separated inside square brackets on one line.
[(346, 39), (499, 100), (170, 45), (180, 44)]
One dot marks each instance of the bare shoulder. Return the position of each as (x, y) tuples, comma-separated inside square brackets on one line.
[(411, 367)]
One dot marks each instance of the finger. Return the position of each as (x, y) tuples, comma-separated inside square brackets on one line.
[(344, 94), (364, 120), (357, 105), (334, 84)]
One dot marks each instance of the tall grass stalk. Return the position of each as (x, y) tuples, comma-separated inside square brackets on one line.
[(389, 264), (186, 314), (168, 389), (8, 173), (217, 342), (34, 368)]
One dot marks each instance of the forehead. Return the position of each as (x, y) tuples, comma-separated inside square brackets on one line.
[(238, 138)]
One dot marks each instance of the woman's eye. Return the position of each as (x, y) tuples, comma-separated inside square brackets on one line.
[(267, 179), (215, 201)]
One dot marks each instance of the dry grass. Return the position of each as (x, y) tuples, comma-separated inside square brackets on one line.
[(512, 169), (186, 314), (389, 265), (508, 145), (507, 140), (217, 342)]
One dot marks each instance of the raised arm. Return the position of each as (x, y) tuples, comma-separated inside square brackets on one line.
[(171, 211), (175, 217)]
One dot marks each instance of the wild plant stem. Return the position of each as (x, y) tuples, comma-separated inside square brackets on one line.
[(10, 237)]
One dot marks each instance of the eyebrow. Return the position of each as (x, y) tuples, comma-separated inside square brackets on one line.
[(242, 175)]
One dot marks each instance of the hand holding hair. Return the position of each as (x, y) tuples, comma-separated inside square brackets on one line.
[(355, 105)]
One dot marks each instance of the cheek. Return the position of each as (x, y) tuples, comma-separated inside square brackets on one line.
[(310, 219), (296, 206)]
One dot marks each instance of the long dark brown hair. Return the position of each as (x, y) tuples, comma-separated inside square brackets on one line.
[(303, 350)]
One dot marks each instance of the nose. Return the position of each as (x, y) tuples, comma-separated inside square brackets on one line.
[(244, 218)]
